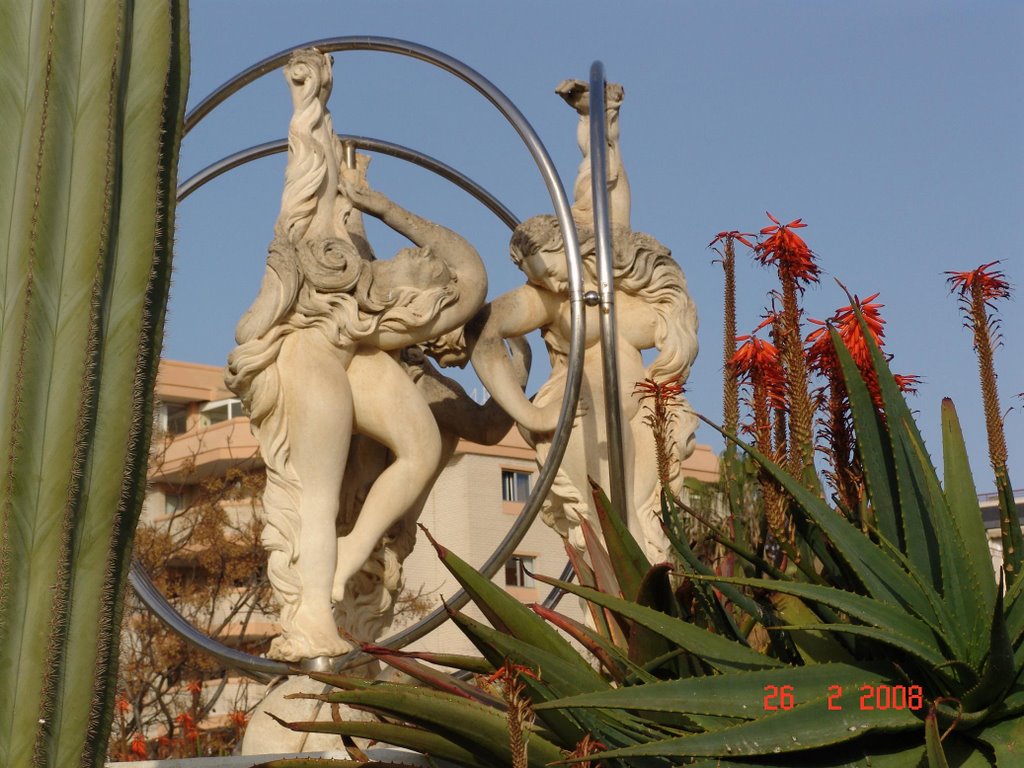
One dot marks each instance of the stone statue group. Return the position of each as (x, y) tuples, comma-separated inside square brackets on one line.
[(354, 421)]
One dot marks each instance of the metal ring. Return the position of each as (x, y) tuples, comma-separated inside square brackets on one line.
[(264, 667)]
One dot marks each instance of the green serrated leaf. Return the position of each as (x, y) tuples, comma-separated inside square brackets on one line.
[(1006, 738), (873, 446), (813, 647), (1001, 669), (719, 652), (474, 727), (963, 503), (807, 726), (885, 617), (418, 739), (933, 743), (883, 578), (627, 558), (738, 695), (506, 612)]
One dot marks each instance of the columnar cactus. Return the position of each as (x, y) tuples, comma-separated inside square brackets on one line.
[(92, 97)]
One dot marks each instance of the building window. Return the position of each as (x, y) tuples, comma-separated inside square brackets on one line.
[(220, 410), (173, 503), (515, 486), (518, 570), (171, 418)]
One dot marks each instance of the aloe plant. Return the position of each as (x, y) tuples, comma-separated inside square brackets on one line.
[(895, 646), (92, 97)]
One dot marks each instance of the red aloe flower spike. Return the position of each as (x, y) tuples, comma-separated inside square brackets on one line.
[(788, 252), (992, 285), (979, 288), (733, 234), (907, 383)]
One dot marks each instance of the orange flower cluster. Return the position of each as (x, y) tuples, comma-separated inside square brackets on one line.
[(138, 746), (787, 251), (187, 723), (992, 285), (757, 360), (821, 356)]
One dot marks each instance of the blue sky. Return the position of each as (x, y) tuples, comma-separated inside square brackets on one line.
[(893, 129)]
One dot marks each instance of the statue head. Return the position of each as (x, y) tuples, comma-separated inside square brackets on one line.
[(538, 249)]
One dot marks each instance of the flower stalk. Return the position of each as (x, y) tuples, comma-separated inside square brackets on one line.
[(978, 290)]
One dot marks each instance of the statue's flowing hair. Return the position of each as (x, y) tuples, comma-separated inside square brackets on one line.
[(642, 267), (310, 140)]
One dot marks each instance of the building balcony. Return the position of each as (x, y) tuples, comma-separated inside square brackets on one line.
[(205, 452)]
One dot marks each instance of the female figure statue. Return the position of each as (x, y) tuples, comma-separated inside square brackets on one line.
[(316, 362), (653, 311)]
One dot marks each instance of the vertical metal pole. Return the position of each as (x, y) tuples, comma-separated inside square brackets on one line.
[(606, 288)]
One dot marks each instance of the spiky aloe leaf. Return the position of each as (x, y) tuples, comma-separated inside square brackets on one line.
[(500, 649), (473, 727), (655, 591), (934, 544), (1006, 739), (963, 503), (1010, 528), (873, 448), (417, 739), (807, 726), (473, 664), (814, 647), (882, 577), (933, 743), (627, 558), (721, 619), (1001, 669), (719, 652), (550, 677), (437, 680), (504, 611), (93, 96), (615, 662), (735, 695), (905, 631)]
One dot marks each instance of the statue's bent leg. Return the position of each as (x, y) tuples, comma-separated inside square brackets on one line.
[(318, 399), (391, 410)]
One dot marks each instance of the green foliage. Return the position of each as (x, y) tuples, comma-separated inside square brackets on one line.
[(93, 97), (893, 645)]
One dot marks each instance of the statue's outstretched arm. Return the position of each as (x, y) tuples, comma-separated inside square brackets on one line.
[(511, 315), (454, 250)]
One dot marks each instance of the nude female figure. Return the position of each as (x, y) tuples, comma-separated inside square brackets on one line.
[(316, 363), (653, 311)]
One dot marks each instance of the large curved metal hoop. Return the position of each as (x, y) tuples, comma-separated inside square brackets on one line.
[(264, 668)]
